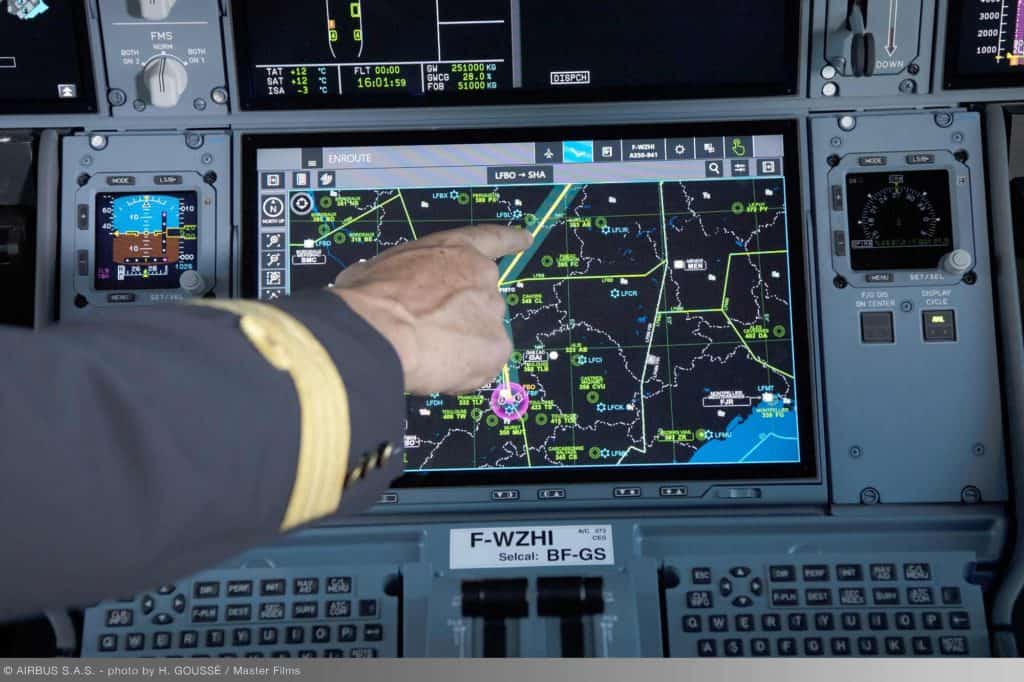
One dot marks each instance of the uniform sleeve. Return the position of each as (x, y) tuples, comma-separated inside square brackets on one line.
[(138, 451)]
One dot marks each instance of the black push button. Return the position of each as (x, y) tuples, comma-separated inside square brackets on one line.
[(867, 646), (894, 646), (922, 646), (884, 572), (725, 587), (782, 574), (905, 621), (876, 327), (852, 596), (951, 596), (188, 639), (108, 643), (699, 599), (206, 590), (920, 596), (931, 620), (818, 597), (119, 618), (760, 647), (824, 621), (271, 611), (236, 612), (744, 623), (733, 647), (959, 620), (241, 637), (346, 633), (813, 647), (770, 622), (204, 614), (272, 588), (816, 573), (707, 648), (878, 621), (268, 635), (786, 646), (305, 609), (214, 638), (339, 609), (953, 646), (135, 641), (939, 325), (295, 634), (373, 633), (240, 588), (321, 634), (163, 619), (338, 585), (886, 596), (849, 572), (718, 623), (851, 621), (785, 598), (797, 622), (701, 576), (840, 646), (363, 652), (739, 571), (162, 640), (691, 623), (742, 602), (304, 586), (334, 653), (367, 608)]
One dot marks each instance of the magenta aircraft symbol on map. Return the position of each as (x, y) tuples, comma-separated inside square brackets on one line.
[(510, 401)]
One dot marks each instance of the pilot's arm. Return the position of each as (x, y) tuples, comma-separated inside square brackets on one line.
[(139, 451)]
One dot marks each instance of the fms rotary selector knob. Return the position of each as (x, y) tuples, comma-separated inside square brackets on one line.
[(166, 80), (156, 10), (194, 283), (957, 262)]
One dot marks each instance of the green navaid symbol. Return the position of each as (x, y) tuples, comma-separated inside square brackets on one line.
[(738, 148), (595, 453), (326, 201), (738, 207), (340, 238), (601, 221), (463, 198), (530, 219), (541, 419), (779, 331), (517, 356), (476, 413), (324, 229), (701, 434), (512, 299), (547, 261), (492, 420), (593, 397)]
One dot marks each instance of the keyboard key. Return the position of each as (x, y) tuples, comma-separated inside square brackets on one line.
[(883, 572), (922, 646), (188, 639), (953, 645), (760, 647), (867, 646), (813, 647), (850, 621), (878, 621), (931, 620), (338, 585), (725, 587), (816, 573), (824, 621), (742, 602), (147, 605), (699, 599), (334, 653), (166, 589), (365, 652), (239, 588), (162, 640), (294, 634), (701, 576), (241, 637), (782, 574), (305, 609), (756, 587), (339, 608), (706, 648), (852, 596), (840, 646), (951, 596), (718, 623), (733, 647), (739, 571), (307, 653), (134, 641), (785, 597), (120, 618), (771, 622), (818, 597), (373, 632), (691, 623), (917, 571), (204, 614), (206, 590), (214, 638), (849, 572), (281, 654), (268, 635), (163, 619), (905, 621), (786, 646), (108, 643), (885, 596), (272, 588), (321, 634), (744, 623), (272, 611), (346, 633), (959, 620), (367, 608), (894, 646), (237, 612), (179, 603), (920, 596), (305, 586), (797, 622)]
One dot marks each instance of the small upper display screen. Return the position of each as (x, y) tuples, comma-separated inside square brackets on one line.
[(338, 53), (44, 58), (985, 43), (899, 221), (144, 241)]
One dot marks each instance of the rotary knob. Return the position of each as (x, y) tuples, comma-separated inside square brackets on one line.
[(194, 283), (156, 10), (166, 80), (957, 262)]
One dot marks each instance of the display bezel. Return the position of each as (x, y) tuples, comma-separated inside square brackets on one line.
[(806, 468), (250, 102), (952, 77), (85, 103)]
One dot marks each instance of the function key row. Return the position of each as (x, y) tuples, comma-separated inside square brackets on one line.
[(801, 622), (845, 596), (242, 637), (835, 646), (275, 587), (783, 573), (339, 608)]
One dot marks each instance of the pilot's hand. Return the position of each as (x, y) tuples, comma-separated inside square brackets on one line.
[(437, 301)]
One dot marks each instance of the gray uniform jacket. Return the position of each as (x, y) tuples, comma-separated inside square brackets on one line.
[(136, 452)]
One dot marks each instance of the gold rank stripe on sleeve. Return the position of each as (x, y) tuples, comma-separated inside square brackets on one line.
[(325, 427)]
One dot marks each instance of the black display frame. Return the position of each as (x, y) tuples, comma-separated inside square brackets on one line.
[(805, 470), (249, 102), (952, 77), (86, 102)]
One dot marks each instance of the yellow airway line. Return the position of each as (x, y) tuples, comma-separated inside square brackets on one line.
[(536, 231)]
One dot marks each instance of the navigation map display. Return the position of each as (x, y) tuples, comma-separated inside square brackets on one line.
[(655, 318), (44, 58), (341, 53), (985, 43)]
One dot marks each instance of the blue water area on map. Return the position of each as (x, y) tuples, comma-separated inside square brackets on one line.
[(755, 438)]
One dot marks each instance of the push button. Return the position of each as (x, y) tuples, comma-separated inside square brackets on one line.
[(876, 327), (939, 325)]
